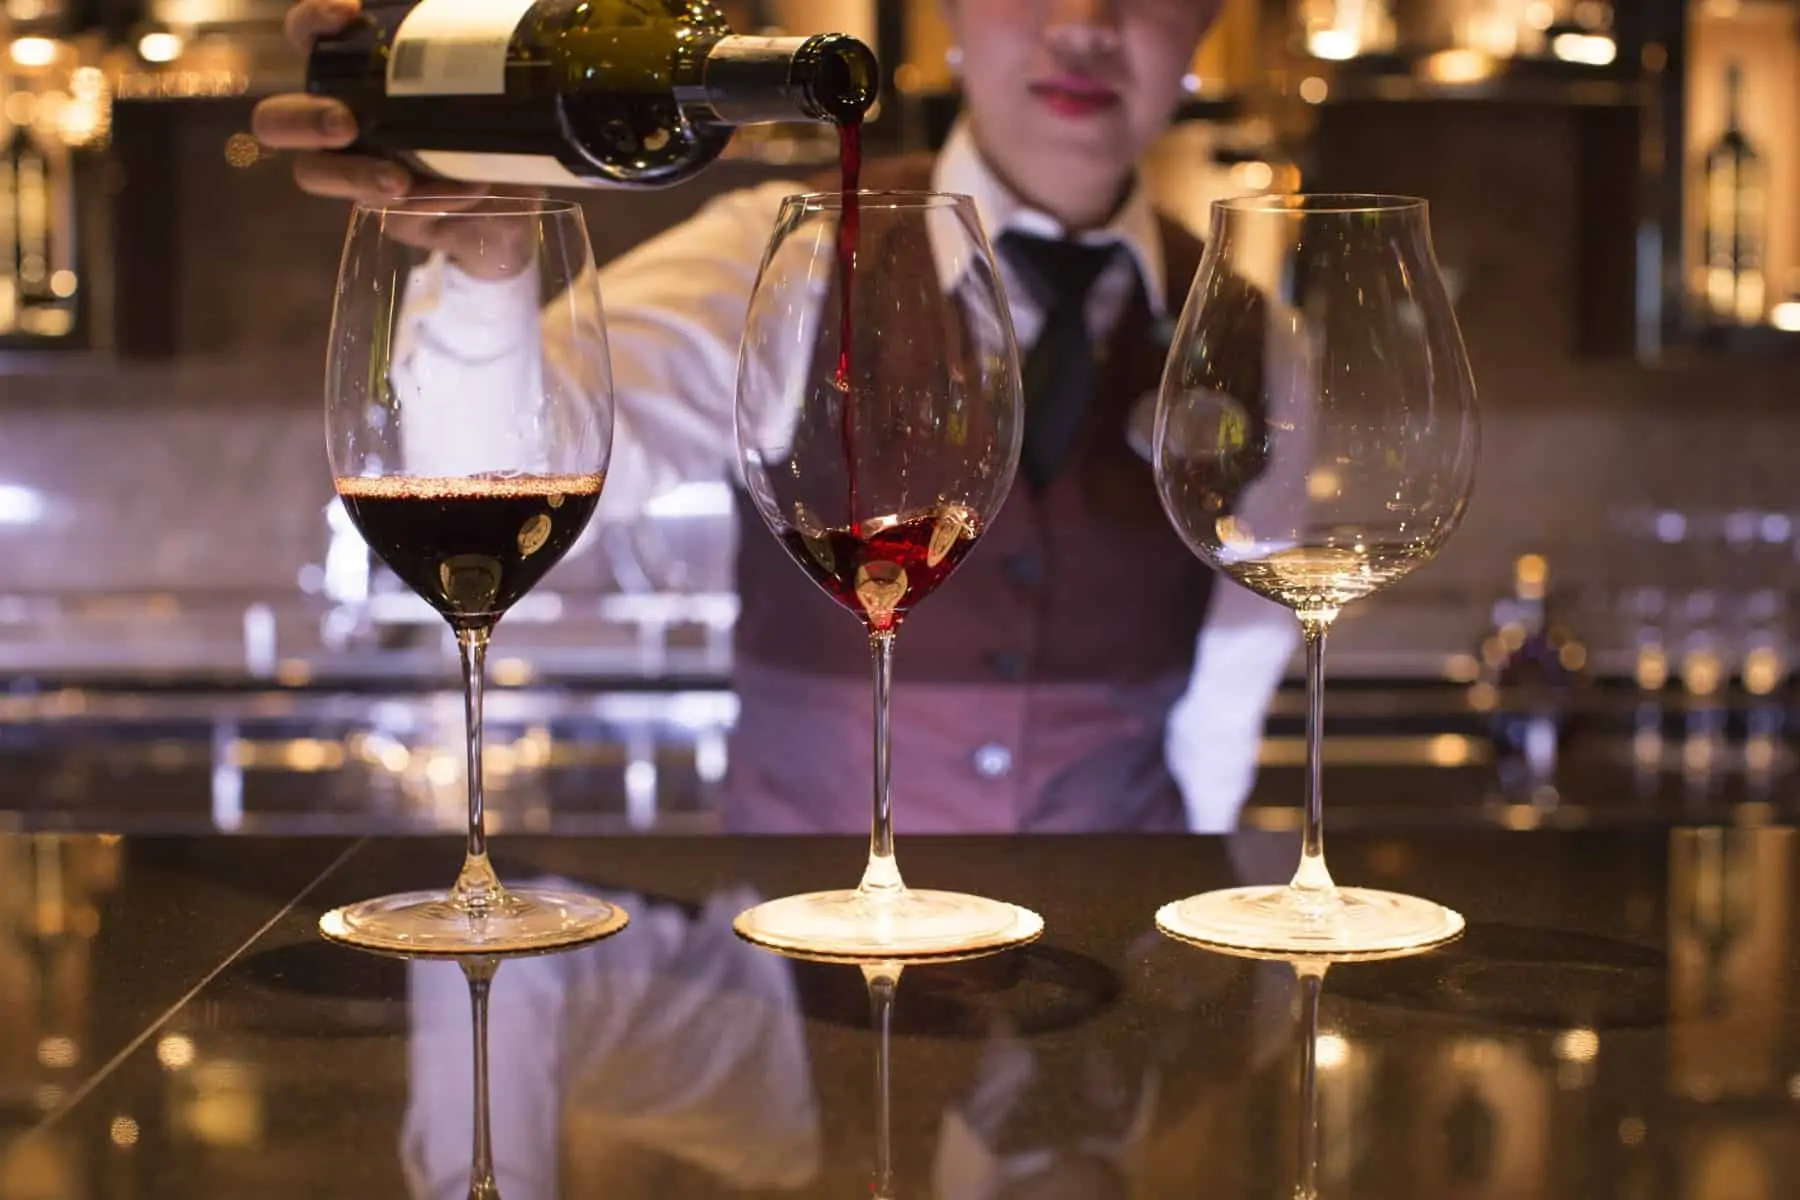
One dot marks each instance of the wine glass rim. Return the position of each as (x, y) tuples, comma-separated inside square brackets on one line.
[(452, 205), (870, 198), (1321, 202)]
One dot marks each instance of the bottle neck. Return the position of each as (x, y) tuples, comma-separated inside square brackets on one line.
[(747, 80)]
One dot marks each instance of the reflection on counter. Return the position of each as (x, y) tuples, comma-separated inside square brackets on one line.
[(1653, 1056), (635, 1067)]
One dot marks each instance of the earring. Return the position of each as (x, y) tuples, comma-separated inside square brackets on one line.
[(953, 58)]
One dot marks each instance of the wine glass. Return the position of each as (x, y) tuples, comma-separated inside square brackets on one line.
[(1315, 441), (468, 415), (878, 427)]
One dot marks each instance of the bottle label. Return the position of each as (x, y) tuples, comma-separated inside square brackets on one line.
[(527, 170), (454, 48), (741, 48)]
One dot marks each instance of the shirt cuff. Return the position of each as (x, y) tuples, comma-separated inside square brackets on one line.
[(468, 318)]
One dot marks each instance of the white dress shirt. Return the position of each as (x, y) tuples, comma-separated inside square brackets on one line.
[(675, 309)]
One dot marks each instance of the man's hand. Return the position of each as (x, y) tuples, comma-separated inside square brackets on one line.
[(312, 126)]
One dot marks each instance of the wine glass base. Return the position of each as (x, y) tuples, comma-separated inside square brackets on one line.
[(851, 924), (1285, 920), (526, 919)]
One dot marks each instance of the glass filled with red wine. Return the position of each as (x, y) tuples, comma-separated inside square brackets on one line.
[(468, 416), (878, 425)]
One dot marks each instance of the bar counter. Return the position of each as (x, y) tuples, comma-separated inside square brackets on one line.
[(1621, 1019)]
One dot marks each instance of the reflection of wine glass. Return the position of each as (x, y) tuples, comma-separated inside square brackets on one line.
[(1315, 441), (882, 978), (878, 437), (1309, 976), (480, 973), (677, 1053), (470, 483)]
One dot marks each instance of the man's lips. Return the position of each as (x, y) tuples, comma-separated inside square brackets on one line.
[(1074, 95)]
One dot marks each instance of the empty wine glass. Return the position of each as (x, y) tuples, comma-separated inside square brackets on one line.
[(879, 425), (468, 413), (1315, 441)]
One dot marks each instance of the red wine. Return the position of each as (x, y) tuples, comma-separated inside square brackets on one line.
[(849, 231), (471, 546), (884, 566), (621, 93), (849, 234)]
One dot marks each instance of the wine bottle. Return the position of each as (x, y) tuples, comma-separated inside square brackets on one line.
[(597, 93), (1735, 205)]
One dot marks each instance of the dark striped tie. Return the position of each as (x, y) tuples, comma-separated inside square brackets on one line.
[(1061, 372)]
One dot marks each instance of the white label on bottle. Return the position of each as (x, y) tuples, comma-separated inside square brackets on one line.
[(529, 170), (754, 48), (454, 48)]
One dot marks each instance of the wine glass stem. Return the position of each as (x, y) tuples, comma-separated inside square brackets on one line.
[(482, 1186), (882, 876), (1312, 877), (477, 888)]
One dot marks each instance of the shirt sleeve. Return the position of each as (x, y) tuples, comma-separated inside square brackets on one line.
[(674, 315), (466, 369), (1214, 736), (675, 310)]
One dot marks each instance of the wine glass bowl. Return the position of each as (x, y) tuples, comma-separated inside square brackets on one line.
[(470, 454), (879, 401), (879, 427), (1316, 439)]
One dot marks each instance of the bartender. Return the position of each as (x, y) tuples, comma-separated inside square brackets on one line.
[(1129, 689)]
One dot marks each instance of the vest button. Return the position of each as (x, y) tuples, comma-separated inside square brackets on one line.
[(1007, 665), (993, 761)]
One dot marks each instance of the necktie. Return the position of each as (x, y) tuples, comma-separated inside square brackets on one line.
[(1061, 371)]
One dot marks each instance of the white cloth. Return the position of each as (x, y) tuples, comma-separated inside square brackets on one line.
[(675, 310)]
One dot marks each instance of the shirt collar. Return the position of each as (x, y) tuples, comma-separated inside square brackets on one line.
[(960, 168)]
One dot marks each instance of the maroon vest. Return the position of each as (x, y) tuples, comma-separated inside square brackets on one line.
[(1087, 582)]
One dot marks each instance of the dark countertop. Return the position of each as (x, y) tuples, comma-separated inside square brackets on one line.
[(1621, 1020)]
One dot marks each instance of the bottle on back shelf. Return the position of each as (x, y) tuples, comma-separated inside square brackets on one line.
[(1735, 204), (595, 93), (37, 284)]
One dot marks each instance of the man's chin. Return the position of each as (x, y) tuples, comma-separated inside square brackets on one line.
[(1094, 157), (1106, 136)]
